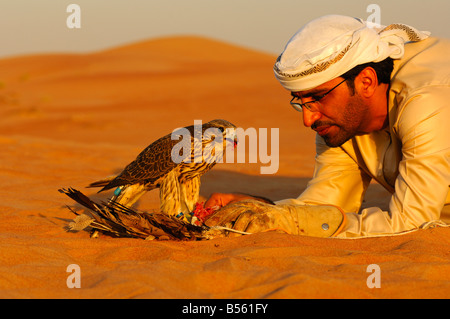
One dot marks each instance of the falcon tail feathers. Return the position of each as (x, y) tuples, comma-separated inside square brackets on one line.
[(121, 221), (99, 184), (79, 197), (103, 183)]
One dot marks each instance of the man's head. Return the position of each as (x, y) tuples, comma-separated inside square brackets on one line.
[(331, 49), (352, 104)]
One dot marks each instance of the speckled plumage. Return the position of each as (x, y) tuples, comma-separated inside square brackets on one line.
[(179, 182)]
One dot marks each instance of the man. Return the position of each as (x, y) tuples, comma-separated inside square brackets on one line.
[(379, 99)]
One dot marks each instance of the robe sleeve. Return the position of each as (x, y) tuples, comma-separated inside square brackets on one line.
[(337, 180)]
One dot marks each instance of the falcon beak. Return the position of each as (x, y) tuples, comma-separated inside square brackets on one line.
[(233, 140)]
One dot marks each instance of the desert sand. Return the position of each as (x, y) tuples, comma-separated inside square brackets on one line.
[(68, 120)]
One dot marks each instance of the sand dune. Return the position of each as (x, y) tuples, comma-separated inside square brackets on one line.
[(68, 120)]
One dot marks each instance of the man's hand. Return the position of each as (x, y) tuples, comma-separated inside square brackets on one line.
[(252, 216), (223, 199)]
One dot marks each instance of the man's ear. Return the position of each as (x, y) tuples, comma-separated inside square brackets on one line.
[(366, 82)]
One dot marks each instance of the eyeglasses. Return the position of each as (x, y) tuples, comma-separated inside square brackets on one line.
[(313, 106)]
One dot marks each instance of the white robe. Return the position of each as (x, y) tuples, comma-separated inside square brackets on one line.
[(411, 158)]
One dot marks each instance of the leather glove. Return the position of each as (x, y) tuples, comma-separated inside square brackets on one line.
[(253, 216)]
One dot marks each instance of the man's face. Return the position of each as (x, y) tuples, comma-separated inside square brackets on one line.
[(341, 115)]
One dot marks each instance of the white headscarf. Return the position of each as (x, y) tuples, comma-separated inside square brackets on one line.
[(331, 45)]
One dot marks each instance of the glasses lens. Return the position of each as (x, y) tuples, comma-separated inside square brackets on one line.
[(312, 106), (297, 106)]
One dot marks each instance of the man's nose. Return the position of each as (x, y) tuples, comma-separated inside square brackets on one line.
[(310, 117)]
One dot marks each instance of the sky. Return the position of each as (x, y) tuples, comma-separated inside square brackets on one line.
[(40, 26)]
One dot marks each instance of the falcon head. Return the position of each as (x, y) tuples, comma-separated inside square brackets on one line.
[(217, 136)]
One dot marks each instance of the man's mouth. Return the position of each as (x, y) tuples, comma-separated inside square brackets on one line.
[(322, 130)]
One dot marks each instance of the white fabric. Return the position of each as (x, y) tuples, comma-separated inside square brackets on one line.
[(410, 158), (331, 45)]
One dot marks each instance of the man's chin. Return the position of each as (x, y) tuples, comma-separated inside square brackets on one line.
[(332, 144), (335, 140)]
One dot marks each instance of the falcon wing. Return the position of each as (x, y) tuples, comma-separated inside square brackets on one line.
[(151, 164)]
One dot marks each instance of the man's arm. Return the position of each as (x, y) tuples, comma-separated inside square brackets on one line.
[(337, 180), (423, 182), (421, 187)]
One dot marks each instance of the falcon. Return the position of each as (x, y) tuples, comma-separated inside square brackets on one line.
[(174, 166)]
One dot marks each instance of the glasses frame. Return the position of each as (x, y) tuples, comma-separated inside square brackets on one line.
[(310, 104)]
